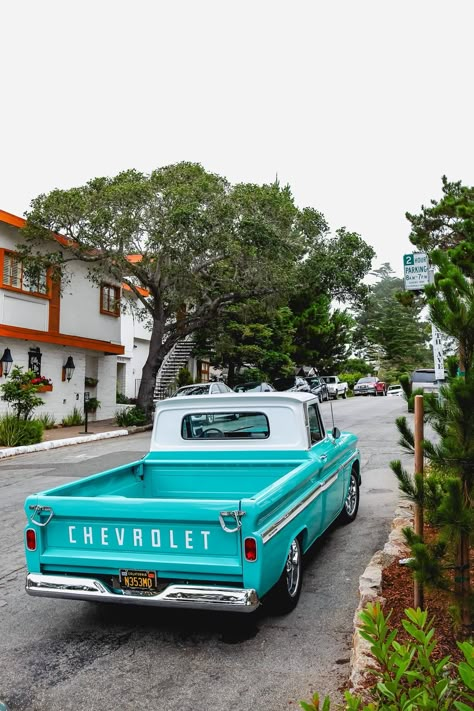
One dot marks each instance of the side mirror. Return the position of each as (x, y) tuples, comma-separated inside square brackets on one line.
[(336, 433)]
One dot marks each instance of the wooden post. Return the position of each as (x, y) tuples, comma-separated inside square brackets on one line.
[(419, 412)]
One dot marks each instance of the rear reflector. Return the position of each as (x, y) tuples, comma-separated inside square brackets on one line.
[(31, 539), (250, 547)]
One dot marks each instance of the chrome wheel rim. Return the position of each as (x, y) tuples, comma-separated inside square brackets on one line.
[(351, 499), (293, 569)]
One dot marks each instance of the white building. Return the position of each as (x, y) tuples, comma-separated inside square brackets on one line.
[(43, 326)]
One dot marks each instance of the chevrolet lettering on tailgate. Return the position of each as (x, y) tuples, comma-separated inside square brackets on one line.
[(217, 516), (137, 537)]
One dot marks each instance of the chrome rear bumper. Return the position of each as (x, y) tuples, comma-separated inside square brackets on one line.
[(199, 597)]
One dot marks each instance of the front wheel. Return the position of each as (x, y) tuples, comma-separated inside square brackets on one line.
[(284, 597), (351, 504)]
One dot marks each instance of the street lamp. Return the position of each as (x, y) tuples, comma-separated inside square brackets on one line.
[(68, 369), (6, 362)]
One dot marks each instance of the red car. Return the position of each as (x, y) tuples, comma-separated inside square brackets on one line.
[(370, 386)]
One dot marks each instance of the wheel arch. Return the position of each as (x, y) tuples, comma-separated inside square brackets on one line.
[(356, 469)]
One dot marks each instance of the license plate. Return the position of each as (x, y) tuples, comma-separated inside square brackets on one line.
[(137, 579)]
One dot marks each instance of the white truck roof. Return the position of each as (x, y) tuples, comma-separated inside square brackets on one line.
[(285, 413)]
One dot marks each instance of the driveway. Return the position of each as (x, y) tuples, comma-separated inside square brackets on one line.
[(60, 655)]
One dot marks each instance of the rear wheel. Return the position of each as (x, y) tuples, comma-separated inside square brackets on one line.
[(344, 395), (351, 504), (284, 597)]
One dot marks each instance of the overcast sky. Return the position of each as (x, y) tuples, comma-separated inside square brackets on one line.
[(361, 106)]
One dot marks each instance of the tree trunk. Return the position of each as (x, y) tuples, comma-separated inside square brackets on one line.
[(152, 365), (231, 375), (462, 583)]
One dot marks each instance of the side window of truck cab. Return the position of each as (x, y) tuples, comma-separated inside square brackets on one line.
[(316, 429)]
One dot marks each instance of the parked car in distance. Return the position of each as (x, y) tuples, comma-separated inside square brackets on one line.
[(395, 390), (291, 383), (318, 387), (370, 386), (254, 387), (424, 379), (217, 388), (335, 386)]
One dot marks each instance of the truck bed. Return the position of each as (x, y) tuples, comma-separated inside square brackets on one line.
[(158, 477)]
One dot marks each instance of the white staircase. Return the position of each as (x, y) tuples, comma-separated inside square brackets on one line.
[(176, 359)]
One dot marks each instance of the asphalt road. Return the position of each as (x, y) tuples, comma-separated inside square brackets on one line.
[(58, 655)]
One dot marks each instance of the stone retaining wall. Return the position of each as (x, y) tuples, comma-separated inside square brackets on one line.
[(370, 590)]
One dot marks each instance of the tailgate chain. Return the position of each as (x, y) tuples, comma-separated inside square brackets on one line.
[(39, 510), (236, 515)]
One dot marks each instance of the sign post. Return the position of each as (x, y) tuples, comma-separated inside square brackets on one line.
[(438, 354), (86, 398), (416, 271)]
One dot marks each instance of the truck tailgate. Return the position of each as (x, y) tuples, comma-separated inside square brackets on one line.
[(174, 537)]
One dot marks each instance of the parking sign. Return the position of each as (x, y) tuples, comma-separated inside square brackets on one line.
[(416, 270)]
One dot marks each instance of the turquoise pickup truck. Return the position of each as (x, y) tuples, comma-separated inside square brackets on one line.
[(216, 516)]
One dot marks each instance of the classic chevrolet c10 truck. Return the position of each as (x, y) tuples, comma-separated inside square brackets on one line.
[(216, 516)]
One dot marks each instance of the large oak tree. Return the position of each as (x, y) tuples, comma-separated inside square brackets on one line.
[(199, 244)]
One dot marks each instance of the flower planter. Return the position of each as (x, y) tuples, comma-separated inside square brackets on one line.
[(45, 389)]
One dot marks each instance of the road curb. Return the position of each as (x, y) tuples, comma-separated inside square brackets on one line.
[(370, 590), (55, 443)]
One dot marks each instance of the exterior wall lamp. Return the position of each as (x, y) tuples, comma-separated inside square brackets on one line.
[(68, 369), (6, 362)]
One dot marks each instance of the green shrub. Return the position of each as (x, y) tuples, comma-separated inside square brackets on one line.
[(18, 433), (21, 392), (131, 417), (75, 418), (92, 404), (407, 677), (351, 379), (121, 399), (184, 377), (48, 421)]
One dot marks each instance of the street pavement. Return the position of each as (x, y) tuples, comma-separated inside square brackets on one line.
[(59, 655)]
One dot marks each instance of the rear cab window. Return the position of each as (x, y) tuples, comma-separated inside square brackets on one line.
[(225, 425)]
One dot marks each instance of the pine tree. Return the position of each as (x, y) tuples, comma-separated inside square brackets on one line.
[(448, 495)]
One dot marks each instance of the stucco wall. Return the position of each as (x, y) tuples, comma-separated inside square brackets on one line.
[(66, 395), (80, 310)]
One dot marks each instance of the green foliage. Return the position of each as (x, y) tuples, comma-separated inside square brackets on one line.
[(92, 404), (90, 382), (407, 676), (21, 393), (202, 246), (358, 366), (75, 418), (351, 379), (16, 433), (47, 420), (388, 332), (322, 335), (121, 399), (131, 417), (184, 377), (446, 231)]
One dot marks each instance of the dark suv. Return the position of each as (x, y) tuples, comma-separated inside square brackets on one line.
[(318, 387), (293, 383)]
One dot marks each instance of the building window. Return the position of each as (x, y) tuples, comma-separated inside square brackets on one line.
[(110, 300), (14, 277)]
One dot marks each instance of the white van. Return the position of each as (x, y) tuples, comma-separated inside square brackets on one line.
[(424, 379)]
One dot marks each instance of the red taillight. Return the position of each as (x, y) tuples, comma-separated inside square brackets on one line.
[(31, 539), (250, 547)]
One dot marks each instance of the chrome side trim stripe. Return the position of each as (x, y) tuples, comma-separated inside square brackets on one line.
[(201, 597), (308, 499)]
